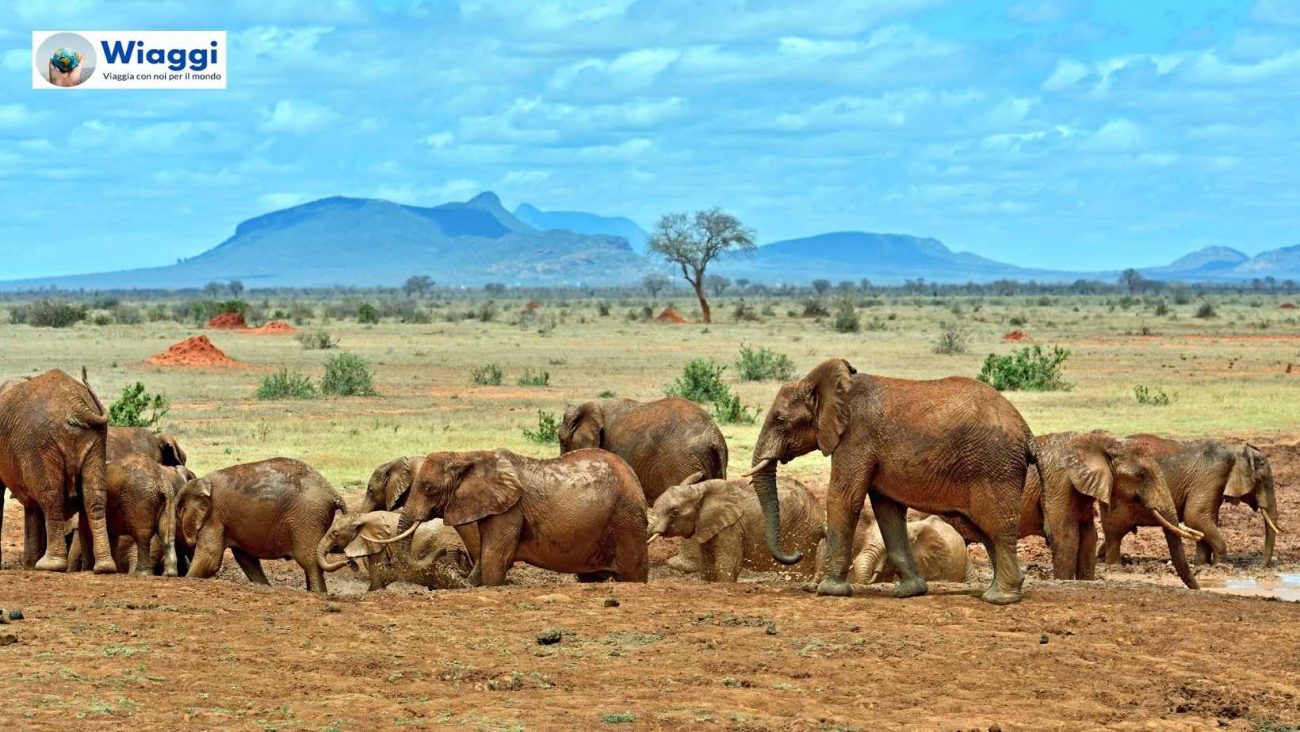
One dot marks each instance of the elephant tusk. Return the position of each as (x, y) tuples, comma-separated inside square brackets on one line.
[(758, 468), (395, 539), (1181, 529), (1269, 520), (653, 538)]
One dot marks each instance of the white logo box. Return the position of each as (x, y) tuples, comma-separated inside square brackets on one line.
[(131, 59)]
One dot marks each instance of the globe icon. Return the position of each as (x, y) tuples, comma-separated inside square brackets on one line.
[(65, 60)]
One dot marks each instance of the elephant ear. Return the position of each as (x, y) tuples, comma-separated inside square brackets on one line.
[(584, 426), (831, 381), (1088, 465), (172, 454), (490, 486), (375, 525), (718, 509), (196, 508), (1241, 479), (397, 483)]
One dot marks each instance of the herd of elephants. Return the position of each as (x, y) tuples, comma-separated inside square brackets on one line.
[(629, 473)]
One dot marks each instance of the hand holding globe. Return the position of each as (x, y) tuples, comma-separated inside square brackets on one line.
[(65, 68)]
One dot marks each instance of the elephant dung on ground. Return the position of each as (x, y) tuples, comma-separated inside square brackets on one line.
[(939, 550), (271, 509), (162, 449), (435, 558), (726, 520), (1080, 469), (53, 447), (1202, 474), (581, 513), (954, 447), (389, 484)]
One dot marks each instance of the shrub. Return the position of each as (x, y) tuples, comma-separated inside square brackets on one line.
[(763, 364), (744, 312), (606, 394), (1028, 369), (814, 308), (1161, 309), (486, 313), (728, 410), (317, 340), (603, 309), (286, 384), (701, 381), (548, 429), (126, 314), (48, 314), (846, 317), (532, 378), (1151, 397), (367, 314), (347, 374), (101, 319), (489, 374), (952, 340), (301, 312), (1206, 311), (137, 408)]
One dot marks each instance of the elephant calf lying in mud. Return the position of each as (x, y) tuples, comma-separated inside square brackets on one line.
[(726, 520), (939, 550), (436, 557)]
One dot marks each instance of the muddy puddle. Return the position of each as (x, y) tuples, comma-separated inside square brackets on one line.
[(1283, 586)]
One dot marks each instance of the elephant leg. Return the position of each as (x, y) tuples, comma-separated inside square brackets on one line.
[(1065, 551), (82, 534), (315, 576), (33, 535), (632, 560), (728, 553), (55, 558), (206, 557), (709, 561), (844, 500), (687, 559), (1087, 562), (144, 566), (1211, 548), (891, 517), (251, 565), (498, 541)]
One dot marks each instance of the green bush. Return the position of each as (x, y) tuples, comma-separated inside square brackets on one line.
[(286, 384), (1206, 311), (346, 374), (728, 410), (1151, 397), (137, 408), (548, 429), (701, 381), (489, 374), (317, 340), (1028, 369), (814, 308), (126, 314), (846, 316), (48, 314), (535, 378), (367, 314), (763, 364)]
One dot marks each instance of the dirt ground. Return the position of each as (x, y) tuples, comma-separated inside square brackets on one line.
[(1130, 653)]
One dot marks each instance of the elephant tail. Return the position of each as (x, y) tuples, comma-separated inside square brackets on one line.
[(1033, 462), (717, 462), (95, 416)]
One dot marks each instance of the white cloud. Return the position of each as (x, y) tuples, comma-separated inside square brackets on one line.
[(295, 117), (438, 140), (1117, 135), (1209, 68), (16, 115), (1067, 75)]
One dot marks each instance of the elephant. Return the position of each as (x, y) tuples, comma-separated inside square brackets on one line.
[(53, 435), (954, 447), (667, 442), (724, 518), (436, 559), (142, 506), (582, 513), (940, 553), (1080, 469), (162, 449), (272, 509), (389, 484), (1202, 474)]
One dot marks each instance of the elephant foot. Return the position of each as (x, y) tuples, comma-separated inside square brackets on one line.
[(53, 564), (683, 564), (997, 596), (916, 586), (835, 588), (105, 566)]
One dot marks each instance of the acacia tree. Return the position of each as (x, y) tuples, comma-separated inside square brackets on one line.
[(418, 285), (691, 242), (717, 283), (655, 283)]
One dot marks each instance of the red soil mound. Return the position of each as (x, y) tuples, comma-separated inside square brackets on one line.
[(228, 321), (196, 351), (532, 306), (1286, 306), (670, 315), (1014, 336), (275, 327)]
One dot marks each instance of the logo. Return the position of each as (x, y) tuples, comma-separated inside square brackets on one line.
[(129, 59)]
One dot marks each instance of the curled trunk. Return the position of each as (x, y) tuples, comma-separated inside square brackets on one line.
[(322, 558), (868, 563), (765, 488)]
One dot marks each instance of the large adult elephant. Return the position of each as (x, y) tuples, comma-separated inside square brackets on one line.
[(1079, 470), (582, 513), (53, 446), (1202, 474), (389, 484), (162, 449), (953, 447)]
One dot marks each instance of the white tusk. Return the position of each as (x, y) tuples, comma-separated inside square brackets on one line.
[(415, 525), (758, 468), (653, 538)]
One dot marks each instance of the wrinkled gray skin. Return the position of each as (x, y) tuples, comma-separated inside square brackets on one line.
[(142, 506), (1202, 474), (939, 550), (725, 519), (582, 513), (162, 449), (272, 509), (1080, 470), (435, 558), (389, 484), (53, 435), (953, 447)]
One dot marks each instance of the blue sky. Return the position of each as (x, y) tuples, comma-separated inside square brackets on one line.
[(1055, 133)]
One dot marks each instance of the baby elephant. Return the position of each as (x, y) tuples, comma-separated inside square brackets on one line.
[(939, 550), (581, 513), (142, 506), (436, 557), (725, 518), (272, 509)]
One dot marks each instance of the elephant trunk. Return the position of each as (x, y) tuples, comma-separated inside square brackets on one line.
[(1268, 507), (1175, 543), (764, 478), (322, 557), (866, 566)]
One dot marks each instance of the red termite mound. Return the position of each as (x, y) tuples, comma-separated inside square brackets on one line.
[(1014, 336), (228, 321), (670, 315), (197, 351), (275, 327)]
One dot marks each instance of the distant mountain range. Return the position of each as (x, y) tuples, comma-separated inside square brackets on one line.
[(372, 242)]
